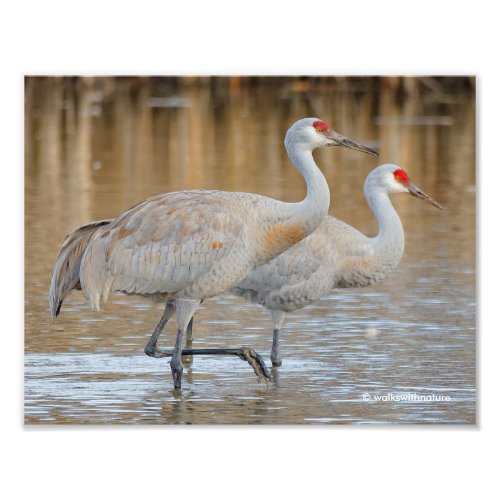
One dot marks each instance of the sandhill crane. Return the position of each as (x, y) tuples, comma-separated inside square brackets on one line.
[(335, 255), (183, 247)]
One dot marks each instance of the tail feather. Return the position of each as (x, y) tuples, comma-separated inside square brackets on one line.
[(66, 275)]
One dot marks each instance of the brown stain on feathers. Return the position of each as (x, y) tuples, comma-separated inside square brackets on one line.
[(124, 232), (216, 245), (113, 240), (109, 249), (279, 237)]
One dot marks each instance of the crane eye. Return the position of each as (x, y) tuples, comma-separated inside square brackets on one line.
[(321, 127)]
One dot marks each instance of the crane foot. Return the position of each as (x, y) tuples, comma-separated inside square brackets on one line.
[(153, 352), (255, 360)]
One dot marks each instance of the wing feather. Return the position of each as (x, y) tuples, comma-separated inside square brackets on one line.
[(163, 244)]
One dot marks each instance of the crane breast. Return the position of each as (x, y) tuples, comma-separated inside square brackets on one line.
[(294, 278)]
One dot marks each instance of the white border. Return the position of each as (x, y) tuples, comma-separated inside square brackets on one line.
[(222, 37)]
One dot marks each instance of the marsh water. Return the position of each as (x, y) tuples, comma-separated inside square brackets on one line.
[(95, 147)]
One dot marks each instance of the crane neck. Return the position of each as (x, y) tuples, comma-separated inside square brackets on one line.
[(311, 211), (388, 245)]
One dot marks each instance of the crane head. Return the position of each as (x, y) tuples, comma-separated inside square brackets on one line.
[(394, 179), (313, 133)]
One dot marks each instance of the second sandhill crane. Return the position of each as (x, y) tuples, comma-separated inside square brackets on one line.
[(183, 247), (336, 255)]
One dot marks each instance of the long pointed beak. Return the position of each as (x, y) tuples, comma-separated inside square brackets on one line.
[(418, 193), (340, 140)]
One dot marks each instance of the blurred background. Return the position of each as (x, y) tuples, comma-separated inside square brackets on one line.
[(94, 146)]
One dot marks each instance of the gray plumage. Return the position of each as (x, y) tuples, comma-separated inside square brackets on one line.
[(187, 246), (335, 256), (66, 275)]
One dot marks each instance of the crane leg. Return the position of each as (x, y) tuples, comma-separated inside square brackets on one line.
[(187, 359), (151, 349), (275, 357), (278, 319), (184, 310), (186, 355)]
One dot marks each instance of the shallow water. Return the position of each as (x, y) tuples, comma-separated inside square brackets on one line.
[(94, 149)]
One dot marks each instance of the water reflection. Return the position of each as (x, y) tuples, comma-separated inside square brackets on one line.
[(94, 147)]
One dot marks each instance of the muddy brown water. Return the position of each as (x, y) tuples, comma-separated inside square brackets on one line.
[(95, 149)]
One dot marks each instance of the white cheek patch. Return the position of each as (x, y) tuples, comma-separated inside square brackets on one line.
[(395, 186)]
